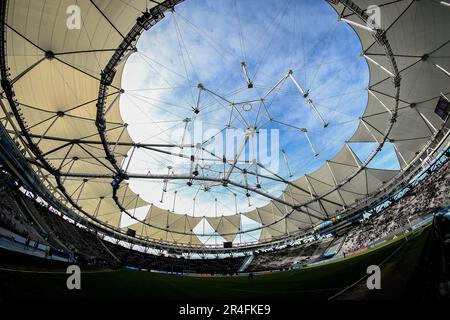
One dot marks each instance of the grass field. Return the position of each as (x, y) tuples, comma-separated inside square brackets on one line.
[(312, 283)]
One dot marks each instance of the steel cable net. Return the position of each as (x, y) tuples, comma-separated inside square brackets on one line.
[(308, 114)]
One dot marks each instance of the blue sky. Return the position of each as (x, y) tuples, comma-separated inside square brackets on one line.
[(205, 41)]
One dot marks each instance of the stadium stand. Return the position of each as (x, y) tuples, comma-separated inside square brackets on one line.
[(429, 196), (12, 217), (282, 259), (87, 246), (225, 266), (24, 216)]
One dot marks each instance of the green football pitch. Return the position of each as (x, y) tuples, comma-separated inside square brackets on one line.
[(397, 258)]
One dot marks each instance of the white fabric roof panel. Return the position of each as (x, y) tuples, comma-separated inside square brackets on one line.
[(226, 226), (265, 215), (163, 225)]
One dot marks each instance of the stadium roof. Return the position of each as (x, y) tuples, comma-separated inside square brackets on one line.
[(61, 89)]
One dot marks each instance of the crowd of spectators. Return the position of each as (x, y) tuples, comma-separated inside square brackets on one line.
[(18, 211), (428, 196), (24, 216), (133, 258), (12, 217), (284, 258), (78, 241), (432, 194)]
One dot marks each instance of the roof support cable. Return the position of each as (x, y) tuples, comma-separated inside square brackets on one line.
[(258, 183), (197, 105), (379, 65), (215, 207), (314, 195), (279, 83), (309, 101), (144, 22), (291, 195), (355, 158), (241, 34), (315, 152), (283, 151), (378, 99), (427, 122), (358, 25), (193, 171), (48, 129), (445, 97), (125, 125), (174, 200), (230, 119), (248, 135), (266, 109), (183, 137), (72, 162), (255, 124), (370, 131), (107, 19), (400, 155), (97, 209), (250, 84), (65, 157), (129, 160), (344, 204), (165, 184), (20, 75), (164, 190), (81, 189), (113, 102)]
